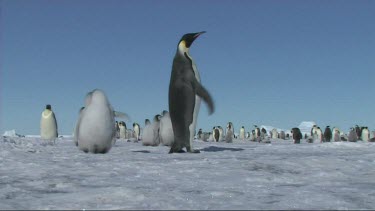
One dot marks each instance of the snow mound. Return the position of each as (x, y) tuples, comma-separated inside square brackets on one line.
[(12, 133)]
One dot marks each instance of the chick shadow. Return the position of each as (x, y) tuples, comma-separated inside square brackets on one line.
[(220, 149)]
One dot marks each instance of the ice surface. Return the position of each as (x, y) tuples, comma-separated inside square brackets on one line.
[(11, 133), (35, 174)]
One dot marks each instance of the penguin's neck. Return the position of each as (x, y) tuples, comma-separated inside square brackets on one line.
[(47, 113), (184, 52)]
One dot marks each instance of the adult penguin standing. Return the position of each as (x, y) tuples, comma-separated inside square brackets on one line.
[(48, 124), (185, 93)]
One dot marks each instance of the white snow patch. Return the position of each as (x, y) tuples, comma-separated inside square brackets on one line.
[(35, 174)]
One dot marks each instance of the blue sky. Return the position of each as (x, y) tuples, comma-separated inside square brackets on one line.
[(264, 62)]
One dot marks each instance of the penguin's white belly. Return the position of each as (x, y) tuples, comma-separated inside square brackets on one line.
[(365, 135), (166, 131), (96, 130), (193, 125), (319, 135), (122, 132), (150, 134), (48, 127), (242, 134)]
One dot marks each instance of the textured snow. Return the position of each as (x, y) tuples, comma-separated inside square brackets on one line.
[(35, 174)]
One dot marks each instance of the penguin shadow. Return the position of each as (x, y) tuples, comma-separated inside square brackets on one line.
[(141, 151), (220, 149)]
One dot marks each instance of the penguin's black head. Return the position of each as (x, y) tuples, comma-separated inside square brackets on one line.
[(48, 106), (189, 38)]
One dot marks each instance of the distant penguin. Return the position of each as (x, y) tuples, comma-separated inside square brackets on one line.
[(336, 136), (313, 129), (352, 137), (274, 133), (242, 133), (122, 128), (150, 135), (264, 131), (365, 136), (166, 130), (327, 134), (230, 127), (221, 132), (185, 93), (208, 136), (216, 134), (95, 131), (200, 134), (229, 134), (136, 131), (297, 135), (252, 135), (335, 129), (247, 136), (257, 132), (147, 122), (319, 134), (358, 132), (282, 135), (48, 124)]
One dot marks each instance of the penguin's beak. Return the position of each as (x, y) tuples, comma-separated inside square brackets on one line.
[(198, 34)]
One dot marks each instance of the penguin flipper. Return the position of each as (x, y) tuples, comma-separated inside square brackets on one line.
[(205, 95)]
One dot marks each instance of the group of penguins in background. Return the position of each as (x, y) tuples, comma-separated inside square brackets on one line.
[(160, 132), (96, 130)]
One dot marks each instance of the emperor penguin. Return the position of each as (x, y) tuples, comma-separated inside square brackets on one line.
[(327, 134), (95, 131), (319, 134), (242, 133), (185, 93), (274, 133), (48, 124), (358, 132), (136, 131), (229, 135), (150, 135), (365, 136), (282, 135), (122, 128), (230, 127), (247, 136), (336, 135), (313, 129), (297, 135), (166, 130), (257, 132), (352, 137), (216, 134), (221, 132), (200, 134)]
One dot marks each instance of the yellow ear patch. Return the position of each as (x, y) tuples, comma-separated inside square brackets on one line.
[(182, 47)]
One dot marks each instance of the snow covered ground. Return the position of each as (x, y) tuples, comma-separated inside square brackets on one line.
[(239, 175)]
